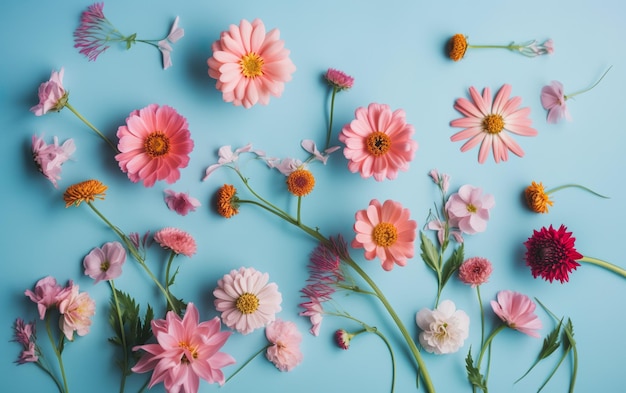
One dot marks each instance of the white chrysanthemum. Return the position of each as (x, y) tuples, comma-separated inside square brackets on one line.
[(444, 329)]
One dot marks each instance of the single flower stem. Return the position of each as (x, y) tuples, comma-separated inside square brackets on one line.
[(509, 47), (556, 367), (330, 118), (57, 352), (572, 381), (299, 210), (167, 271), (54, 378), (247, 361), (488, 343), (575, 186), (604, 264), (568, 96), (122, 336), (482, 317), (101, 135)]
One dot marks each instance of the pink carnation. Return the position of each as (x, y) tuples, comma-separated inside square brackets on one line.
[(52, 95), (76, 310), (468, 209), (46, 294), (176, 240), (285, 349), (181, 202), (475, 271)]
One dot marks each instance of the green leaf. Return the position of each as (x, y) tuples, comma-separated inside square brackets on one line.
[(473, 374), (568, 335), (173, 278), (429, 252), (452, 264), (550, 344)]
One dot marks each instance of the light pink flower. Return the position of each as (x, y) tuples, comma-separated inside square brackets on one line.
[(186, 350), (176, 240), (475, 271), (246, 300), (25, 334), (227, 156), (154, 144), (76, 310), (176, 33), (52, 95), (309, 146), (249, 64), (468, 209), (440, 179), (517, 311), (444, 329), (338, 79), (440, 227), (385, 231), (285, 352), (49, 158), (105, 263), (140, 244), (378, 142), (181, 202), (489, 124), (315, 311), (553, 100), (46, 294)]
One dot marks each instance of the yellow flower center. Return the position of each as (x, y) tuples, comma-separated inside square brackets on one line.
[(157, 144), (300, 182), (378, 143), (186, 346), (385, 234), (442, 332), (457, 47), (104, 266), (471, 208), (251, 65), (247, 303), (493, 124)]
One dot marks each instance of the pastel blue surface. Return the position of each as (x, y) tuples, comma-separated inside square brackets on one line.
[(395, 51)]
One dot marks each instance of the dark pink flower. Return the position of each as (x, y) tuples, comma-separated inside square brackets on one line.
[(25, 334), (176, 240), (95, 32), (46, 294), (105, 263), (475, 271), (285, 349), (338, 79), (181, 202), (551, 253)]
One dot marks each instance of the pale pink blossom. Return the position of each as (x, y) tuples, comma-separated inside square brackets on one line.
[(181, 202), (46, 294), (176, 33), (338, 79), (553, 100), (49, 158), (517, 311), (52, 95), (76, 309), (475, 271), (105, 263), (185, 351), (249, 64), (315, 311), (285, 349), (177, 240), (440, 227), (444, 329), (228, 156), (440, 179), (468, 209), (309, 146)]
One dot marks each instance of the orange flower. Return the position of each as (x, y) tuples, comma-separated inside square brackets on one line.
[(300, 182), (457, 45), (86, 191), (227, 201), (537, 198)]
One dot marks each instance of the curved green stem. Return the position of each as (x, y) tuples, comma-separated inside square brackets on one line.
[(482, 317), (604, 264), (100, 134), (393, 358), (167, 271), (488, 343), (122, 336), (330, 118), (54, 378), (57, 352), (568, 96), (247, 361), (575, 186)]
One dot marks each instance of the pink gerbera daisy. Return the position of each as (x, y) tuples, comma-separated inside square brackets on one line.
[(385, 231), (517, 311), (489, 124), (378, 142), (154, 144), (250, 64), (177, 240)]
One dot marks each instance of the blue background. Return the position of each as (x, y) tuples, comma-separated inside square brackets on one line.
[(395, 51)]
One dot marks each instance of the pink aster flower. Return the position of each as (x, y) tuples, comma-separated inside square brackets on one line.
[(517, 311), (154, 144), (52, 95), (105, 263), (378, 142), (228, 156), (468, 209), (177, 240), (76, 310), (250, 64), (444, 329), (49, 158), (475, 271), (338, 79), (176, 33), (489, 123), (285, 349), (181, 202), (385, 231), (46, 294), (186, 350), (246, 300)]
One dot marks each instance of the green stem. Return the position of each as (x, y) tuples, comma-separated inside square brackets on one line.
[(604, 264), (330, 119), (54, 378), (568, 96), (556, 367), (299, 209), (247, 361), (122, 336), (167, 272), (393, 359), (482, 317), (57, 352), (488, 343), (100, 134), (509, 47), (572, 381), (575, 186)]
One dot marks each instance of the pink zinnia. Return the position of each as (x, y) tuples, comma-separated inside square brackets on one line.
[(76, 310), (553, 100), (285, 349), (468, 209), (46, 294), (551, 254), (378, 142), (517, 311), (246, 300), (385, 231), (249, 64), (489, 124), (49, 158), (338, 79), (52, 95), (186, 350), (154, 144), (177, 240), (105, 263), (181, 202), (475, 271)]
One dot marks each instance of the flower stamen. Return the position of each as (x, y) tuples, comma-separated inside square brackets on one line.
[(493, 123), (385, 234), (251, 65), (378, 143), (247, 303), (157, 144)]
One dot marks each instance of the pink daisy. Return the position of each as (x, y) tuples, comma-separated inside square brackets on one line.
[(378, 142), (250, 64), (385, 231), (517, 311), (338, 79), (176, 240), (489, 124), (186, 350), (181, 202), (246, 300), (154, 144), (285, 349)]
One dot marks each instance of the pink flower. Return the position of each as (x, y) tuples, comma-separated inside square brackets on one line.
[(285, 352), (246, 300), (385, 231), (176, 33), (249, 64), (442, 180), (553, 100), (227, 156), (517, 311), (444, 329), (25, 334), (489, 124), (76, 310), (378, 142), (440, 227), (338, 79), (315, 311), (94, 33), (343, 338), (105, 263), (154, 144), (181, 202), (309, 146), (46, 294), (176, 240), (49, 158), (52, 95), (140, 244), (475, 271), (186, 351), (468, 209)]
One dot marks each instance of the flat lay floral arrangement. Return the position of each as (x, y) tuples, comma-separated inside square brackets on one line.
[(165, 342)]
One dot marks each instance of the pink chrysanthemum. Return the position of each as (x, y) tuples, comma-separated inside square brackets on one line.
[(154, 144), (246, 300), (489, 124), (49, 158), (52, 95), (338, 79), (181, 202), (378, 142), (45, 295), (517, 311), (285, 349), (468, 209), (186, 350), (550, 253), (249, 64), (385, 231), (176, 240), (475, 271), (76, 309), (105, 263)]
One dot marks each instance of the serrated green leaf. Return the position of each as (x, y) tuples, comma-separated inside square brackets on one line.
[(473, 374), (173, 278), (550, 344), (429, 252), (452, 264)]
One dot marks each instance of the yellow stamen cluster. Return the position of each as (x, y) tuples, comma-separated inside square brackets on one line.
[(86, 191), (157, 144), (227, 205), (493, 123), (384, 234), (251, 65), (457, 45), (300, 182), (536, 198), (247, 303), (378, 143)]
